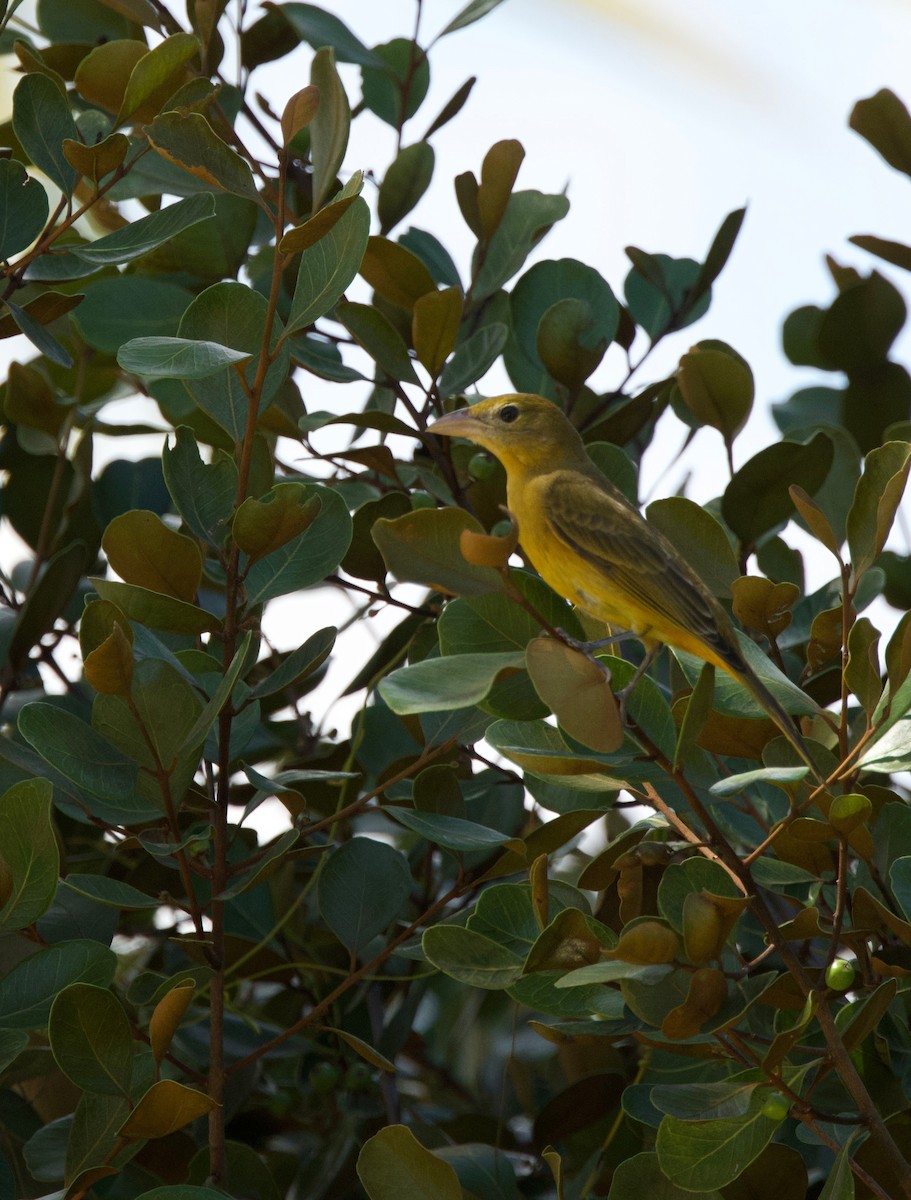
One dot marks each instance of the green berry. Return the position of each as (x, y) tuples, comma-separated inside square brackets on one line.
[(358, 1077), (840, 975), (324, 1077), (481, 467), (776, 1107)]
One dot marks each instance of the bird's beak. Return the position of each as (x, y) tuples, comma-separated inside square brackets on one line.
[(461, 423)]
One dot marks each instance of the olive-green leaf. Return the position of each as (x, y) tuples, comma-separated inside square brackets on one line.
[(876, 498), (42, 121), (884, 121), (91, 1039), (330, 126), (757, 498), (393, 1165), (29, 857), (328, 266), (361, 890), (23, 208), (188, 140)]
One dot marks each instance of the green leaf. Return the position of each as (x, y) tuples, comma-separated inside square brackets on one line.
[(896, 253), (190, 141), (538, 747), (199, 730), (91, 1039), (297, 665), (700, 1155), (277, 850), (166, 1107), (717, 387), (861, 324), (28, 849), (146, 234), (718, 255), (658, 292), (100, 159), (876, 498), (405, 182), (203, 493), (29, 989), (157, 75), (757, 498), (444, 684), (112, 892), (471, 958), (307, 558), (154, 609), (451, 109), (362, 888), (885, 123), (308, 233), (423, 547), (452, 833), (144, 551), (319, 28), (93, 1134), (331, 126), (528, 217), (42, 121), (839, 1183), (328, 267), (121, 307), (542, 322), (472, 12), (78, 752), (234, 315), (700, 539), (376, 334), (47, 600), (396, 88), (705, 1102), (641, 1175), (39, 336), (23, 208), (473, 358), (261, 527), (732, 784), (393, 1165)]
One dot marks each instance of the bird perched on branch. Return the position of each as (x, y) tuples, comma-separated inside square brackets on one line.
[(595, 548)]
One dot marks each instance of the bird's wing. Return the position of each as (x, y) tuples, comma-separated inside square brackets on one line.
[(635, 559)]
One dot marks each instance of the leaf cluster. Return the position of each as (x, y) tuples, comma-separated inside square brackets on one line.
[(468, 965)]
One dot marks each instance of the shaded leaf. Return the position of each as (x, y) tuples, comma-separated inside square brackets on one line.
[(362, 888), (393, 1165), (166, 1107), (23, 208), (189, 141), (42, 121)]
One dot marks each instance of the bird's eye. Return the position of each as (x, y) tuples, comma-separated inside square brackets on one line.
[(508, 413)]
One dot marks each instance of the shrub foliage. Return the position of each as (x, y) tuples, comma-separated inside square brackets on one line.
[(427, 986)]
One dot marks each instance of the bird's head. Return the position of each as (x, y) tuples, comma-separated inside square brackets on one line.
[(521, 430)]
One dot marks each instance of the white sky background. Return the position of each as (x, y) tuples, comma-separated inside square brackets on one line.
[(661, 118)]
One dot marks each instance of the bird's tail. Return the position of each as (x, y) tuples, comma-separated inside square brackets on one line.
[(776, 712)]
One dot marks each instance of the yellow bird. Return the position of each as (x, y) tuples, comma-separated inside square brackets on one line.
[(595, 548)]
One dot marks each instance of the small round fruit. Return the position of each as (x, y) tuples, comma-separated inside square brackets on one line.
[(840, 974), (481, 466), (324, 1077), (776, 1107), (358, 1077)]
